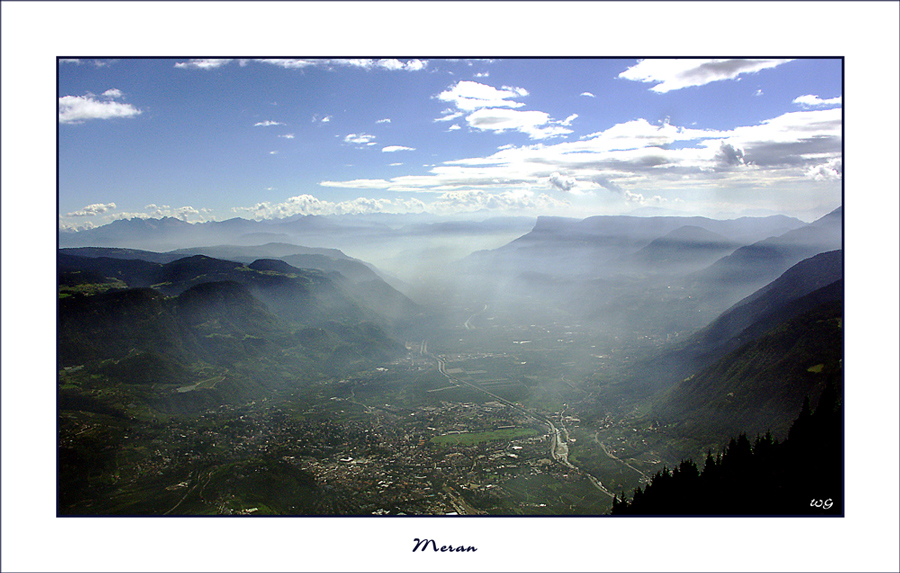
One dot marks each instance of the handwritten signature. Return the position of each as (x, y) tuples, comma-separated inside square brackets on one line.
[(824, 504)]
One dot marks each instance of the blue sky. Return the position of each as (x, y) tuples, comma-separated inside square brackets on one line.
[(214, 139)]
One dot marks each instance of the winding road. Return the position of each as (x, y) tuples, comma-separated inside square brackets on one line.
[(559, 447), (468, 323)]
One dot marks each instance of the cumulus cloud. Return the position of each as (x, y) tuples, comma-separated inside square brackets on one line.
[(487, 108), (311, 205), (678, 74), (112, 93), (92, 210), (385, 120), (478, 200), (321, 119), (562, 183), (105, 213), (729, 155), (360, 139), (536, 124), (287, 136), (816, 101), (202, 64), (71, 227), (470, 96), (393, 148), (831, 170), (411, 65), (186, 213), (78, 109), (267, 123)]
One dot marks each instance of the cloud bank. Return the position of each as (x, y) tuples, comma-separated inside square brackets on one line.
[(672, 75)]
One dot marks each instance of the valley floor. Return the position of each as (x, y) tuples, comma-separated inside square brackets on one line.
[(457, 427)]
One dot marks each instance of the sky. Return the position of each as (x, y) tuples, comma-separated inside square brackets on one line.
[(213, 139)]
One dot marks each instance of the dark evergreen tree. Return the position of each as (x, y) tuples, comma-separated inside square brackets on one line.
[(801, 475)]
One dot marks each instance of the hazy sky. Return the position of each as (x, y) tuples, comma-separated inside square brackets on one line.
[(215, 139)]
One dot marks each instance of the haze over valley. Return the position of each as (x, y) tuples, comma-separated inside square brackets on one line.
[(540, 377), (575, 306)]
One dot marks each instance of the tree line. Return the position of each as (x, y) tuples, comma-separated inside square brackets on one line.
[(802, 475)]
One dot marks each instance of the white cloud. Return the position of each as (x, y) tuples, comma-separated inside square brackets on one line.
[(729, 155), (831, 170), (469, 96), (562, 183), (536, 124), (677, 74), (385, 64), (629, 196), (287, 136), (92, 210), (70, 227), (392, 148), (310, 205), (587, 94), (453, 127), (104, 214), (791, 140), (318, 118), (289, 64), (411, 65), (112, 93), (201, 64), (491, 109), (797, 148), (186, 213), (415, 65), (360, 139), (450, 116), (758, 93), (816, 101), (390, 64), (267, 123), (358, 184), (385, 120), (77, 109), (479, 200)]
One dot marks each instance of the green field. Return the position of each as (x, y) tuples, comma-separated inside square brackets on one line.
[(473, 438)]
